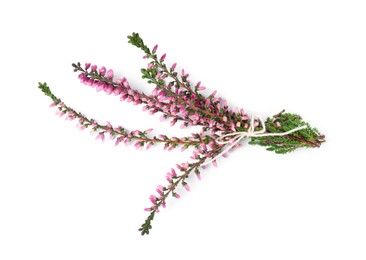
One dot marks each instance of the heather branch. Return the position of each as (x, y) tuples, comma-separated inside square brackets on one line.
[(120, 133)]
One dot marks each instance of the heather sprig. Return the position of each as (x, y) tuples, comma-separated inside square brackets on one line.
[(178, 100)]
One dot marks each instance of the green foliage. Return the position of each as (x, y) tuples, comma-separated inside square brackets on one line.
[(47, 91), (283, 122), (145, 228), (136, 40)]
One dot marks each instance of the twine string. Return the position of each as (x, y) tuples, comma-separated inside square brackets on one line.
[(235, 137)]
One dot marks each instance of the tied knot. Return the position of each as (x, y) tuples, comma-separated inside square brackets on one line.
[(232, 139)]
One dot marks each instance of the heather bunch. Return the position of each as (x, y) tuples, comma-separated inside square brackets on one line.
[(178, 100)]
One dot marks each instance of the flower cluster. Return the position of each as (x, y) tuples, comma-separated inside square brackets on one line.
[(180, 101)]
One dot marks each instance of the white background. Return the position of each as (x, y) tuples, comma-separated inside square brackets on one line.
[(64, 195)]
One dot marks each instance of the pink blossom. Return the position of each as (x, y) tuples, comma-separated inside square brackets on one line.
[(148, 146), (173, 171), (155, 48), (162, 58), (198, 176), (102, 71), (152, 198), (148, 209), (172, 123), (94, 68), (176, 195), (100, 136), (173, 66), (187, 187), (159, 191), (87, 65), (109, 89), (117, 91), (53, 104), (214, 163), (110, 74)]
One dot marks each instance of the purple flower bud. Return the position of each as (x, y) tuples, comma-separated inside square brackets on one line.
[(94, 68), (162, 58), (155, 48), (87, 65)]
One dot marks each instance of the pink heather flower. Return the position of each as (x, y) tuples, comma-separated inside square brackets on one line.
[(245, 117), (94, 68), (117, 142), (173, 172), (173, 66), (160, 187), (163, 204), (87, 65), (152, 199), (155, 48), (101, 136), (110, 74), (201, 88), (147, 209), (198, 176), (232, 127), (203, 146), (172, 123), (187, 187), (224, 119), (117, 91), (278, 124), (214, 163), (162, 58), (126, 84), (149, 130), (185, 165), (176, 195), (159, 191), (82, 127), (148, 146), (52, 104), (183, 148), (109, 89), (102, 71), (99, 87)]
